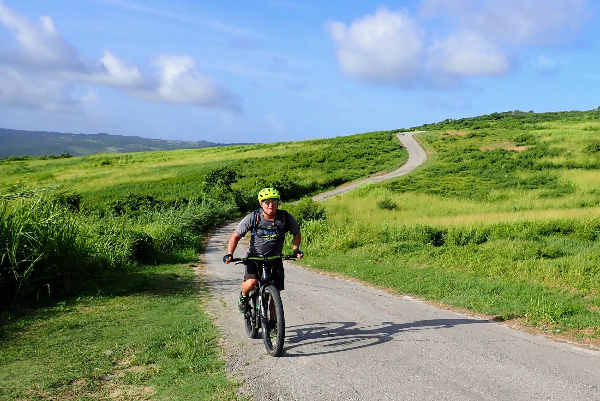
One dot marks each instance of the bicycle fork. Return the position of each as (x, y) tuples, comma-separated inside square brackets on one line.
[(262, 311)]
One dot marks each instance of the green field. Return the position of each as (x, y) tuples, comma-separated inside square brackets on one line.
[(96, 296)]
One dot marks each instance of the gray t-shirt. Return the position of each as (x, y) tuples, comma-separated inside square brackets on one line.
[(270, 235)]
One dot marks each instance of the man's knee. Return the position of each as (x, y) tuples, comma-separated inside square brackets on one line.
[(248, 285), (251, 281)]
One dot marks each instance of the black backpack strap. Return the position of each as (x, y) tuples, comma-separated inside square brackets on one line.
[(255, 218)]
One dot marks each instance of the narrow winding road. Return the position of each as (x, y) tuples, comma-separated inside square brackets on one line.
[(348, 341)]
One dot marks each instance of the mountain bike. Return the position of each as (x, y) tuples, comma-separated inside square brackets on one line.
[(265, 309)]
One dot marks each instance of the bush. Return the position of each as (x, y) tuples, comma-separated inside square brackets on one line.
[(69, 200), (306, 209), (387, 204), (142, 247), (133, 203), (593, 147)]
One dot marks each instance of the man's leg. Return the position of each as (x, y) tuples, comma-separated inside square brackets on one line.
[(248, 285)]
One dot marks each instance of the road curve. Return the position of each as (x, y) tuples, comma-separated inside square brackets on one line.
[(416, 157), (348, 341)]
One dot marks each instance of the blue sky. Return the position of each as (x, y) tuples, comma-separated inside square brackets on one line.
[(266, 71)]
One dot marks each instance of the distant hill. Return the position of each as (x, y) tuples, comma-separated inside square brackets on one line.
[(41, 143)]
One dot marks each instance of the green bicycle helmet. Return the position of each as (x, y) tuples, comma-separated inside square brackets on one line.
[(268, 193)]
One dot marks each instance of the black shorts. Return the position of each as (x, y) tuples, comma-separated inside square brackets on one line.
[(277, 273)]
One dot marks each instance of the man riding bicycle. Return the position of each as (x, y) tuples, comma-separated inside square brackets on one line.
[(268, 226)]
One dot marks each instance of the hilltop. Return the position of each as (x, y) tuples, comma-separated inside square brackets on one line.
[(17, 143)]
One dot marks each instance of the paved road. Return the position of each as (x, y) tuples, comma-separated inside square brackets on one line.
[(347, 341), (416, 157)]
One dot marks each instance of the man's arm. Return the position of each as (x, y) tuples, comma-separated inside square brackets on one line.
[(233, 241), (297, 241)]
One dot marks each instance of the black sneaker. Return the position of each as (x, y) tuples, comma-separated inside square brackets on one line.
[(243, 303)]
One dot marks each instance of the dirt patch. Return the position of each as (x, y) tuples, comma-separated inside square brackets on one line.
[(459, 133), (507, 146), (84, 388), (519, 148)]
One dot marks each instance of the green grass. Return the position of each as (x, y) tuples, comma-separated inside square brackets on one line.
[(140, 335), (310, 166)]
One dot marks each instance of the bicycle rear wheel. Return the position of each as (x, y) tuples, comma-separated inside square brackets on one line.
[(250, 318), (273, 327)]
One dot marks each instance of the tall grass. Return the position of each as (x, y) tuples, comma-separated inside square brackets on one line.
[(47, 247), (37, 239)]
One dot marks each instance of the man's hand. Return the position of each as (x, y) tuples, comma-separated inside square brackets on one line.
[(227, 258), (298, 253)]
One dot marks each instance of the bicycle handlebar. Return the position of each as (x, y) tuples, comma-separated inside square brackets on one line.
[(264, 259)]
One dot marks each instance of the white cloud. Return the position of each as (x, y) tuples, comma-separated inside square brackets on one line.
[(89, 98), (17, 89), (467, 55), (181, 83), (384, 47), (109, 71), (45, 65), (469, 38), (516, 22), (38, 44)]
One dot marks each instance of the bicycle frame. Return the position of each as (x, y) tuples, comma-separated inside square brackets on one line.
[(258, 291), (270, 318)]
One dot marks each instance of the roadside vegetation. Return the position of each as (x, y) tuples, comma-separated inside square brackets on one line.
[(76, 231), (136, 336), (504, 220)]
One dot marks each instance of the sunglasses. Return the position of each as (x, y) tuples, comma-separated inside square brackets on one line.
[(271, 202)]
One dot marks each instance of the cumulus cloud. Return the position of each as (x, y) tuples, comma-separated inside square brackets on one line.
[(19, 90), (38, 44), (383, 47), (467, 55), (43, 65), (471, 38), (513, 21), (180, 83)]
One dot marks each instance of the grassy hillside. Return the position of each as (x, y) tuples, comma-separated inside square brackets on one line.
[(19, 143), (503, 219), (106, 211), (299, 168)]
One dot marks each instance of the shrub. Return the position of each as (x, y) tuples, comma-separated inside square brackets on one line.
[(133, 203), (142, 247), (387, 204), (306, 209), (593, 147), (69, 200)]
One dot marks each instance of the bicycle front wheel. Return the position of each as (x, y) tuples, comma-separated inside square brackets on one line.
[(273, 328)]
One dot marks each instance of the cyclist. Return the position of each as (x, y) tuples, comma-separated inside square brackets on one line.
[(268, 226)]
